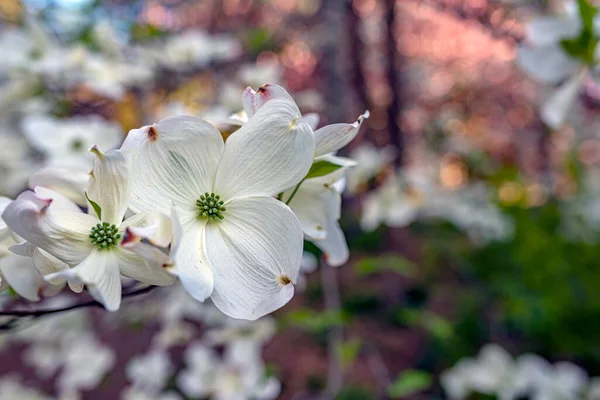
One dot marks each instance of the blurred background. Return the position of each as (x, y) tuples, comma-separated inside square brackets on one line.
[(472, 218)]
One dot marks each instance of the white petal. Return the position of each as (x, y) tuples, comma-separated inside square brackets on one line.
[(100, 272), (59, 202), (311, 206), (255, 254), (174, 160), (547, 64), (152, 226), (110, 186), (254, 100), (270, 153), (24, 249), (333, 137), (191, 267), (556, 109), (334, 244), (63, 234), (136, 267), (22, 276), (70, 182), (47, 264)]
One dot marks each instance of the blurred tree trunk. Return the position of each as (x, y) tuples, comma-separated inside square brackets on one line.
[(394, 81)]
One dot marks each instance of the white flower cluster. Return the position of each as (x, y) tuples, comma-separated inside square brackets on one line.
[(415, 194), (226, 218), (495, 372), (65, 346), (32, 59)]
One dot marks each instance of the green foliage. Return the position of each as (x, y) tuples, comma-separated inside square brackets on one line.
[(583, 47), (410, 382), (140, 32), (347, 351), (434, 324), (543, 285), (316, 322), (395, 263), (258, 40), (355, 393)]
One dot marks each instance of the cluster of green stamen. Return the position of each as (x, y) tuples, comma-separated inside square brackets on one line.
[(105, 235), (210, 206)]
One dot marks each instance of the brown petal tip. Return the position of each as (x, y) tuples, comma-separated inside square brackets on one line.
[(152, 134)]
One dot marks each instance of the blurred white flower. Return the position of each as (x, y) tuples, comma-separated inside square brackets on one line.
[(11, 388), (112, 77), (15, 164), (195, 49), (67, 141), (398, 202), (198, 377), (545, 381), (546, 59), (494, 372), (417, 194), (149, 372), (132, 393), (369, 162), (239, 245), (240, 375), (86, 362)]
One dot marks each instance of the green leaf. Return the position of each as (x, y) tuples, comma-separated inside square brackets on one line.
[(587, 12), (321, 168), (408, 383), (348, 351), (583, 47), (95, 206)]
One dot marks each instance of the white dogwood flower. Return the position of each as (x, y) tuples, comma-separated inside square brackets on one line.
[(90, 242), (239, 245)]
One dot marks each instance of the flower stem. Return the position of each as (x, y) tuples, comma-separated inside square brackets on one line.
[(294, 193)]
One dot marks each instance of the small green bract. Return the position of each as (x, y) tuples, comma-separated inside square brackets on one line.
[(210, 206), (104, 235)]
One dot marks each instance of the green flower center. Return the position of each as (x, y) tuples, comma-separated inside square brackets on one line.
[(210, 206), (105, 236)]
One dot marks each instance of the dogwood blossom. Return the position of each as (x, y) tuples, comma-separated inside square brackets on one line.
[(89, 242), (239, 245)]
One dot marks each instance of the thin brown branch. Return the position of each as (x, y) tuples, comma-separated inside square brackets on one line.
[(34, 314)]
